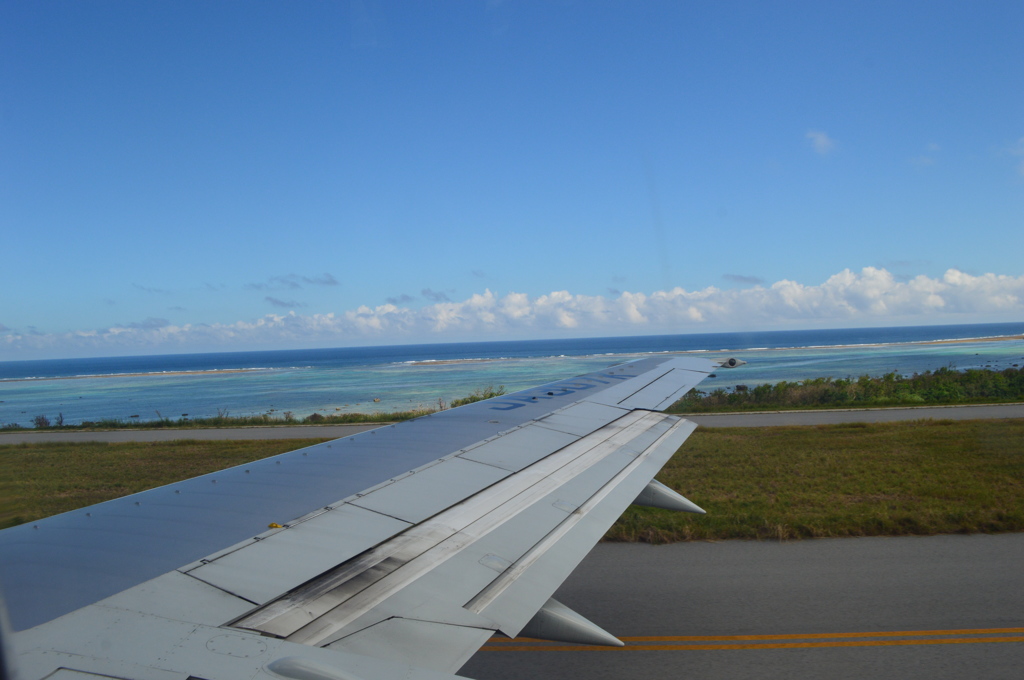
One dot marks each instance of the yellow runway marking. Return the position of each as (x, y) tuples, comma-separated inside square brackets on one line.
[(923, 637)]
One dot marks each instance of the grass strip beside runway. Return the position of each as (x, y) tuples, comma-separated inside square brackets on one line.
[(39, 480), (881, 479), (921, 477)]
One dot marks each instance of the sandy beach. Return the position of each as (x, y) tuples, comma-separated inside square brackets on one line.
[(218, 371)]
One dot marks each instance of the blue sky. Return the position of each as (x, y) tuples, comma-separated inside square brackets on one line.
[(216, 176)]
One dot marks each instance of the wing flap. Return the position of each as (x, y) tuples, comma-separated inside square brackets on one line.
[(320, 609), (439, 595), (283, 560), (513, 599), (436, 646), (263, 570), (504, 564)]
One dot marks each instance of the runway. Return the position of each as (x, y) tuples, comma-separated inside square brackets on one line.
[(761, 419), (917, 607)]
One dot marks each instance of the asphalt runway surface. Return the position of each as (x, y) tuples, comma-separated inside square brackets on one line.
[(762, 419), (914, 607)]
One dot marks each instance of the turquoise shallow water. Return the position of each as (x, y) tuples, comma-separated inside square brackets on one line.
[(200, 388)]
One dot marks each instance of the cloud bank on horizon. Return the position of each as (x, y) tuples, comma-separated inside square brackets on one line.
[(871, 297)]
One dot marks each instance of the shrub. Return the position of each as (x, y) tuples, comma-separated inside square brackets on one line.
[(944, 386), (479, 395)]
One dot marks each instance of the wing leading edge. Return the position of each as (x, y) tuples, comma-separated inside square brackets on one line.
[(399, 551)]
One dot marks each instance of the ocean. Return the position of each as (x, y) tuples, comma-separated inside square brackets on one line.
[(404, 377)]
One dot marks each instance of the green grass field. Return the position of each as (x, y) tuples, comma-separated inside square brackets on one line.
[(922, 477), (39, 480), (885, 479)]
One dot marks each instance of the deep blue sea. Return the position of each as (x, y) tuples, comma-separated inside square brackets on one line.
[(366, 379)]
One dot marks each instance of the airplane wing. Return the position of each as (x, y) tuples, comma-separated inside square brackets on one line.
[(395, 552)]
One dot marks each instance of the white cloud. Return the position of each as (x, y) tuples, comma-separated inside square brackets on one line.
[(820, 141), (872, 296)]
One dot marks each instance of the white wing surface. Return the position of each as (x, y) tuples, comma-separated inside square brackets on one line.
[(399, 551)]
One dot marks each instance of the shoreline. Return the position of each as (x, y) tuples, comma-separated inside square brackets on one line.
[(481, 360), (945, 341), (151, 374)]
